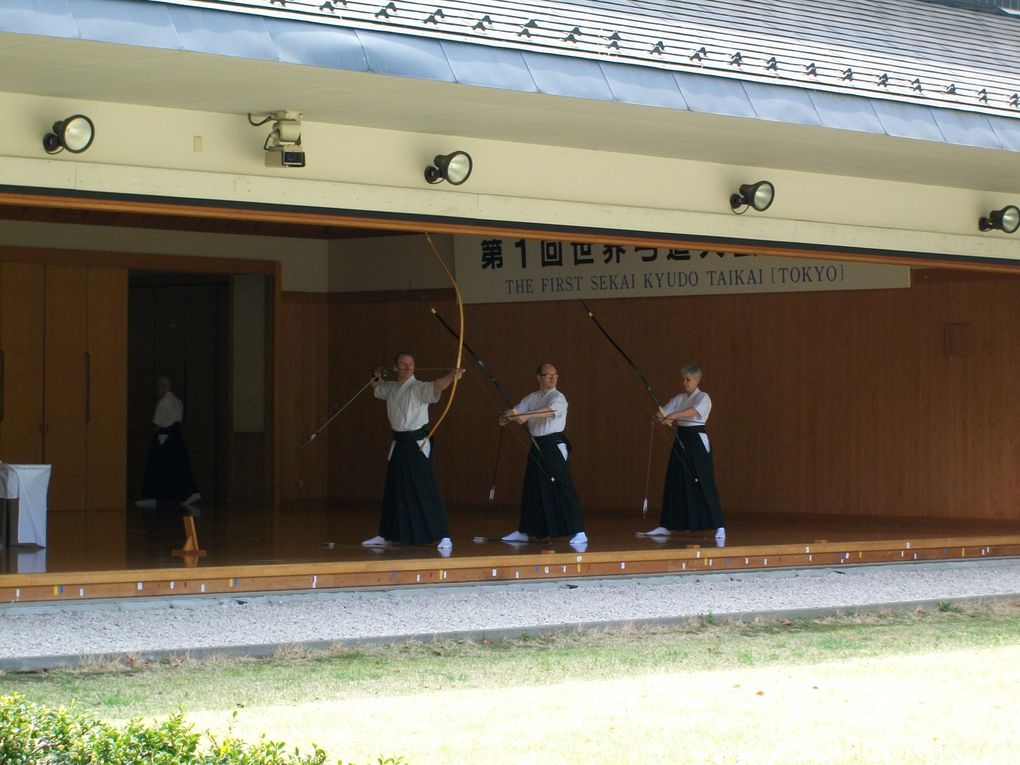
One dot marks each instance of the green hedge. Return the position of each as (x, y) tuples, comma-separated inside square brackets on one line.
[(35, 735)]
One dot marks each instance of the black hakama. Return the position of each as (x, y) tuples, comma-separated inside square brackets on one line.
[(549, 503), (413, 512), (168, 467), (690, 499)]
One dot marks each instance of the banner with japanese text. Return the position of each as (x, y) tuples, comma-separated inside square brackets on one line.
[(496, 270)]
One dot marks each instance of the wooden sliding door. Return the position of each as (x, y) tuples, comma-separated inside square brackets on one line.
[(63, 376), (66, 383), (106, 435), (22, 300)]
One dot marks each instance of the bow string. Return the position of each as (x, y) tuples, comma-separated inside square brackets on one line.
[(499, 389), (654, 398), (460, 338)]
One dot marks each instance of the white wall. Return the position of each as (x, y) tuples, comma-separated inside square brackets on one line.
[(304, 262), (389, 263), (147, 151), (249, 322)]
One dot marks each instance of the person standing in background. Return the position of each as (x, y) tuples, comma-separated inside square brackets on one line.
[(167, 467)]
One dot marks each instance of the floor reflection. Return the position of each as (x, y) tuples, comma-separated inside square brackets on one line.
[(144, 538)]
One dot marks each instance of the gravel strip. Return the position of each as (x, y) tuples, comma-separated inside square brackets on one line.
[(181, 624)]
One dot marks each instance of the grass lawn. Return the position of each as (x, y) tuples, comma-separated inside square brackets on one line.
[(936, 686)]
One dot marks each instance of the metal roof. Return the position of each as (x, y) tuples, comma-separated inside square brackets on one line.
[(196, 56), (917, 52), (611, 56)]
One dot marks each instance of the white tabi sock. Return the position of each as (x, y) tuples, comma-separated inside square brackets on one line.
[(516, 536), (376, 542), (658, 531), (445, 544)]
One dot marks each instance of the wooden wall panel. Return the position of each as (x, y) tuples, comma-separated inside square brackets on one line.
[(106, 437), (832, 403), (64, 341), (22, 341), (66, 390), (305, 396)]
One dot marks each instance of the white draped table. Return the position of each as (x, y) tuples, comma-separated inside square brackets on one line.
[(28, 484)]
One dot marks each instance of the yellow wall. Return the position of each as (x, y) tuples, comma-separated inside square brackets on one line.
[(141, 150)]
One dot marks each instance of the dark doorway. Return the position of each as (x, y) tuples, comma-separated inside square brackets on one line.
[(179, 325)]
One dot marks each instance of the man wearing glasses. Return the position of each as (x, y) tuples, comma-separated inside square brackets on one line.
[(549, 503)]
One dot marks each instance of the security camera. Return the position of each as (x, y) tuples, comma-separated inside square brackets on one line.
[(291, 155), (283, 144)]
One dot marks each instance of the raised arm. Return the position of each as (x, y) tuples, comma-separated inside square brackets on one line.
[(446, 380)]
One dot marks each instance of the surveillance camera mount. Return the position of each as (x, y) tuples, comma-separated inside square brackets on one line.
[(283, 144)]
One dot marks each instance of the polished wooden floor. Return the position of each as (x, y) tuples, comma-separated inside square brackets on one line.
[(130, 552)]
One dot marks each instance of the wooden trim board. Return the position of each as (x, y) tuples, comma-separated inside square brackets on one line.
[(693, 559)]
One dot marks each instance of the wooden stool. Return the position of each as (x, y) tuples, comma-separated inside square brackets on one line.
[(190, 551)]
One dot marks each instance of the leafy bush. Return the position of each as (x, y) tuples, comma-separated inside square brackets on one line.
[(34, 735)]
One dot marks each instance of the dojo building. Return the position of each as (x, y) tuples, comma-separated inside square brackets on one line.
[(815, 201)]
